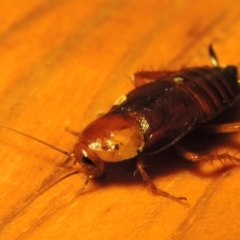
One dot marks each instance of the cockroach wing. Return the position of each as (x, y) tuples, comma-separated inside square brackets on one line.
[(160, 141)]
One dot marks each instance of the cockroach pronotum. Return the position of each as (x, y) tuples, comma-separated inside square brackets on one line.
[(152, 117)]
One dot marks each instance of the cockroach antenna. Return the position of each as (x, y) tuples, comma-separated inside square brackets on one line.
[(66, 169), (38, 140)]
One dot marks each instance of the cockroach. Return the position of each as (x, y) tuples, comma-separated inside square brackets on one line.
[(164, 107)]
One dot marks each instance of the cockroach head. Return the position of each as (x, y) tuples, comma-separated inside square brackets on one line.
[(113, 138)]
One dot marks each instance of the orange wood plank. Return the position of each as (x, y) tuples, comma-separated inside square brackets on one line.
[(64, 62)]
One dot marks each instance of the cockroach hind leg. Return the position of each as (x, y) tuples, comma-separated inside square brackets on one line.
[(143, 77), (210, 158), (151, 186), (221, 128), (188, 155)]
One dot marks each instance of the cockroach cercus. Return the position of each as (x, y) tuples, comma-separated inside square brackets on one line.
[(164, 106)]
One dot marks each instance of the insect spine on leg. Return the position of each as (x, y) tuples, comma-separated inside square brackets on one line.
[(213, 57)]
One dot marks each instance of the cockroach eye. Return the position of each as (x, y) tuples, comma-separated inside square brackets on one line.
[(88, 161)]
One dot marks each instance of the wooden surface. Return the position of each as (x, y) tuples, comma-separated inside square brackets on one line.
[(65, 61)]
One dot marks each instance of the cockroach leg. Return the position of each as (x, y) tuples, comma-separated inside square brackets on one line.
[(194, 157), (144, 77), (85, 183), (188, 155), (72, 131), (68, 168), (151, 186), (69, 164), (222, 128)]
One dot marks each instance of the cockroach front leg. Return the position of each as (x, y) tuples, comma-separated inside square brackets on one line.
[(151, 186)]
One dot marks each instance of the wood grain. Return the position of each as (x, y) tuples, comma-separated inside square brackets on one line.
[(65, 61)]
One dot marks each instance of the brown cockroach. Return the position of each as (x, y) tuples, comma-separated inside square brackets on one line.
[(164, 107)]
